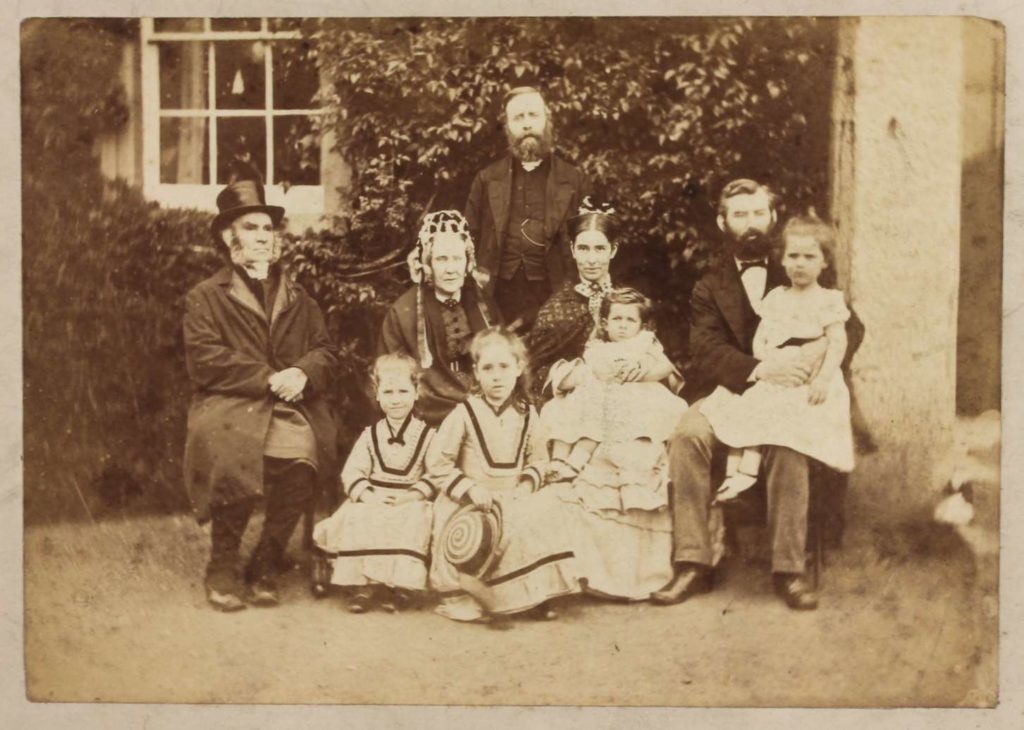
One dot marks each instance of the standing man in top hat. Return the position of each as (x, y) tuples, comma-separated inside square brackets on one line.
[(517, 212), (262, 366)]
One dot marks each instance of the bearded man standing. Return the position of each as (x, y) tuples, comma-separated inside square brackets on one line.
[(517, 212)]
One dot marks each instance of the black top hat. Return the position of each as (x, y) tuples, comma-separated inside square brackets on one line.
[(239, 198)]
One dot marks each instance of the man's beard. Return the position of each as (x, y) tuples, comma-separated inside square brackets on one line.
[(530, 148), (752, 244)]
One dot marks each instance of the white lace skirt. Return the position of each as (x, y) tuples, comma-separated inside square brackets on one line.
[(614, 412)]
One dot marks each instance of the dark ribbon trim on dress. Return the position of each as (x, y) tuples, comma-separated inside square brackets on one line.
[(389, 485), (483, 443), (412, 461), (355, 484), (797, 342), (451, 486), (381, 551), (500, 409), (529, 568), (398, 438)]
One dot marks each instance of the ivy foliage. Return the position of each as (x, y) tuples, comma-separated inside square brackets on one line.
[(660, 112)]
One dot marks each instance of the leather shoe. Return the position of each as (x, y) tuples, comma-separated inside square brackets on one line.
[(263, 592), (795, 591), (687, 582), (225, 601)]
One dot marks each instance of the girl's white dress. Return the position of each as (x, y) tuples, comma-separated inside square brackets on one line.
[(478, 445), (770, 414), (606, 411), (378, 543)]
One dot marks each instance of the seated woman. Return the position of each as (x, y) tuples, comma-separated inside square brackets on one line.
[(565, 321), (616, 508), (434, 321)]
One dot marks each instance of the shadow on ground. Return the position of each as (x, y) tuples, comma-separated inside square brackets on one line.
[(115, 612)]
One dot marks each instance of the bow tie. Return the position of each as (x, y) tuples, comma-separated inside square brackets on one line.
[(396, 440), (450, 303), (596, 288), (744, 265)]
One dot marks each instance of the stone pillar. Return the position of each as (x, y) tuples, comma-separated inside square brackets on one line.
[(897, 187)]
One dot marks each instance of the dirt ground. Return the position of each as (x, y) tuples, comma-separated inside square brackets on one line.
[(115, 611)]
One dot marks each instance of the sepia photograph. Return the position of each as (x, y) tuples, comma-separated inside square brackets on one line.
[(407, 360)]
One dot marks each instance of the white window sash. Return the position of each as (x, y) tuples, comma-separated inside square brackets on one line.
[(298, 199), (239, 112)]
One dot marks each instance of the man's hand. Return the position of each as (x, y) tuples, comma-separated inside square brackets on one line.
[(412, 495), (782, 371), (817, 392), (480, 497), (288, 384), (629, 370)]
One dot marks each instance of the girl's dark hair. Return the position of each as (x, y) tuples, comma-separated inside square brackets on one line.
[(522, 393), (823, 233), (594, 216), (623, 295)]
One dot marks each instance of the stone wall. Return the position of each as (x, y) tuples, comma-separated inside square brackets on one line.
[(899, 156)]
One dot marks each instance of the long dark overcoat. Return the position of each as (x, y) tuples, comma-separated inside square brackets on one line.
[(231, 350)]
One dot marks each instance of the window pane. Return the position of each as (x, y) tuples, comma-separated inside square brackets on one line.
[(178, 25), (296, 151), (241, 148), (240, 75), (183, 80), (184, 155), (296, 79), (279, 24), (235, 23)]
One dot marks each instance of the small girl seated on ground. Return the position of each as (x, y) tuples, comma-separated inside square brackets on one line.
[(615, 393), (813, 418), (379, 539)]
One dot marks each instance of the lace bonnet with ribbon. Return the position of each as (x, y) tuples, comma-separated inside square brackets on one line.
[(438, 222)]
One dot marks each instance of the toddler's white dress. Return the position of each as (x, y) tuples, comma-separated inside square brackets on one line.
[(770, 414), (606, 411)]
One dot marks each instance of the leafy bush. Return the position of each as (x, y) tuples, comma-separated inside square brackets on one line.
[(661, 112), (104, 274)]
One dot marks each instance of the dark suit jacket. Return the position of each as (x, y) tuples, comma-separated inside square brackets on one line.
[(722, 326), (487, 213)]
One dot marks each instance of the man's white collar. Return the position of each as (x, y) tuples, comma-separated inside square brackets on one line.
[(739, 262)]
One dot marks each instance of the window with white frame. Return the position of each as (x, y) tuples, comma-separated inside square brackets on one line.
[(226, 97)]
